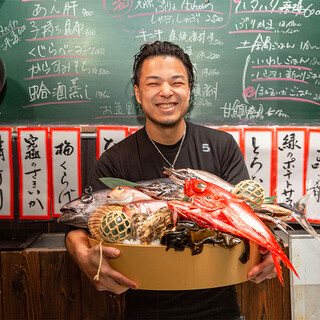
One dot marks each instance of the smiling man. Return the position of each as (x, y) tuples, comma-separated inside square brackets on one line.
[(163, 91), (163, 81)]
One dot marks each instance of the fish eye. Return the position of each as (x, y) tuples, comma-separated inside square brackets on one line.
[(208, 198), (131, 206), (119, 188), (87, 198), (200, 186)]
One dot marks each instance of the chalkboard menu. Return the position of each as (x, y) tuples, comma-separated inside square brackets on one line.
[(70, 62)]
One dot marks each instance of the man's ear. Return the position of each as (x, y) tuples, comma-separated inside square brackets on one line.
[(137, 94)]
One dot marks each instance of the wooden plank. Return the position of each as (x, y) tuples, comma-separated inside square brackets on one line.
[(60, 283), (267, 300), (21, 284)]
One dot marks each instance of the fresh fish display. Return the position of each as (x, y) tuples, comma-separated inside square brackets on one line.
[(142, 214), (279, 211), (213, 207), (78, 211)]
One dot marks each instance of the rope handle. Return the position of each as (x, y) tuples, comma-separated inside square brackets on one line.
[(97, 276)]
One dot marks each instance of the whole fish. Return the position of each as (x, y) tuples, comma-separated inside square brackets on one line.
[(215, 208), (297, 212), (163, 189), (77, 212), (248, 190)]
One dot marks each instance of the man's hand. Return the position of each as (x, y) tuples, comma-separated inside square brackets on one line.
[(263, 270), (88, 260)]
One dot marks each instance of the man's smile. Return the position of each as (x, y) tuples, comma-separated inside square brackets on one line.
[(166, 105)]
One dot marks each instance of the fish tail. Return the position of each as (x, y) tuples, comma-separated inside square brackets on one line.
[(288, 264), (276, 261)]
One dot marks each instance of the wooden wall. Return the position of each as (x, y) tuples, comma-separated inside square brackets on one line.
[(49, 285)]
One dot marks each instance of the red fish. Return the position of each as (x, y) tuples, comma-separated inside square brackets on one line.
[(213, 207), (122, 195)]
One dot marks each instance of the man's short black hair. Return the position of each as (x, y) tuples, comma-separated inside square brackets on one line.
[(161, 48)]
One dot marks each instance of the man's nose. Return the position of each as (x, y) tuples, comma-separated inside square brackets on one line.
[(166, 89)]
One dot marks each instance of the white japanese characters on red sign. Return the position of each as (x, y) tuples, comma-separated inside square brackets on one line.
[(290, 172), (313, 176), (34, 173), (6, 174), (258, 147), (109, 136), (66, 166)]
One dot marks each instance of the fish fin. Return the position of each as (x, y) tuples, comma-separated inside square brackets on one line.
[(302, 220), (277, 265), (288, 264)]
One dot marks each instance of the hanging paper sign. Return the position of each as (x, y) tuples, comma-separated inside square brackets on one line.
[(34, 173), (6, 174), (66, 166), (258, 153), (313, 176), (290, 160), (237, 134), (109, 136), (132, 130)]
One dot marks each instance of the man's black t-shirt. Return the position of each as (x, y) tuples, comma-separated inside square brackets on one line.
[(136, 159)]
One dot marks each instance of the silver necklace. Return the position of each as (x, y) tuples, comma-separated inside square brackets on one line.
[(177, 155)]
